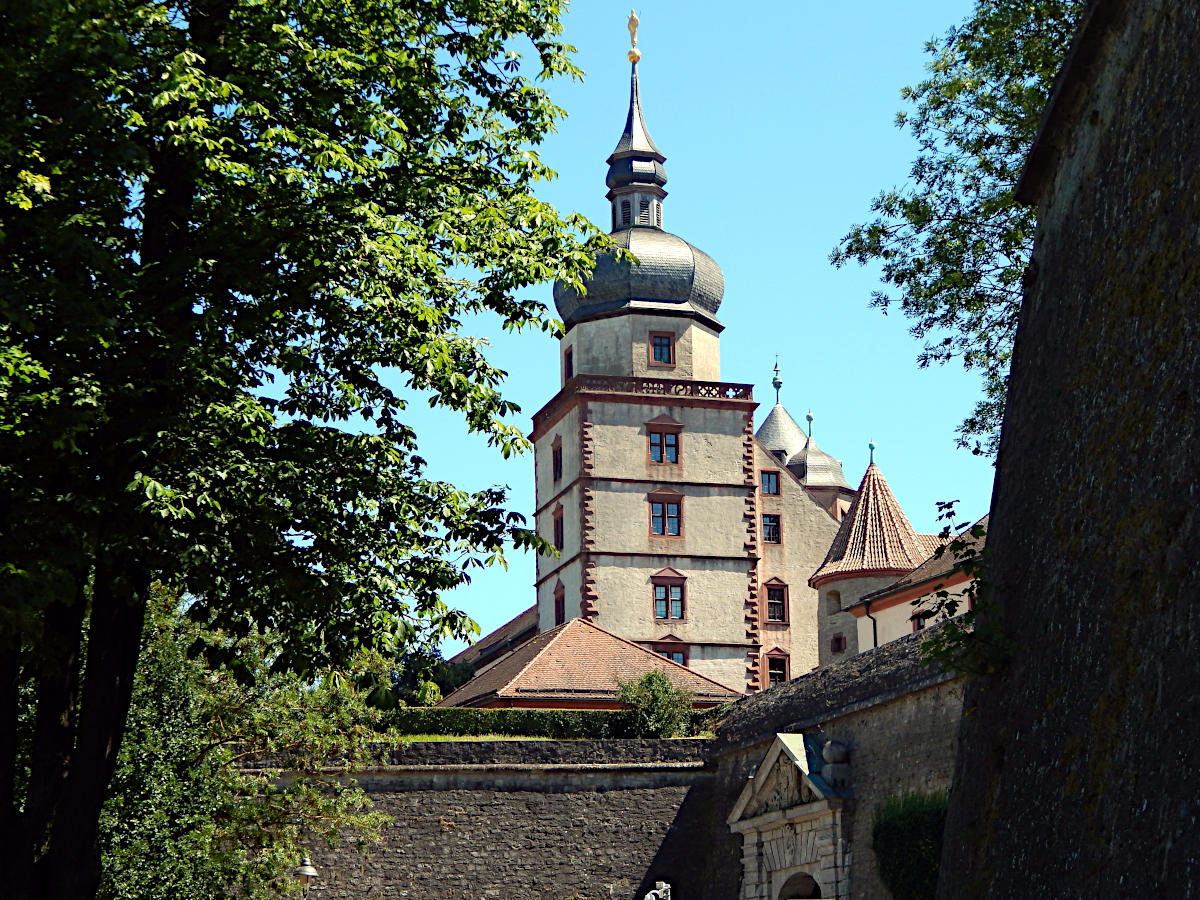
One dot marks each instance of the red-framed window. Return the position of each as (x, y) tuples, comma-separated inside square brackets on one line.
[(777, 669), (664, 447), (837, 643), (559, 531), (662, 348), (668, 600), (674, 652), (770, 482), (772, 529), (556, 458), (777, 601), (666, 518)]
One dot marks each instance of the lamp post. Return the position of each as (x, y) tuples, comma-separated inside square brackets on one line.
[(306, 872)]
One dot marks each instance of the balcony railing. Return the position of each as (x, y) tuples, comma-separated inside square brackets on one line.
[(654, 387)]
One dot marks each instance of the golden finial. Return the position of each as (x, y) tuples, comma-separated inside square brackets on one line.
[(634, 54)]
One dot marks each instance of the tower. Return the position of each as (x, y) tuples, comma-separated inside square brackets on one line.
[(676, 528), (875, 544)]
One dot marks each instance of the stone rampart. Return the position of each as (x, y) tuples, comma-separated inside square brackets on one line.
[(527, 819)]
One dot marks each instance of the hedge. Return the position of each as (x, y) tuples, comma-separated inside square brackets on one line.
[(547, 723), (907, 840)]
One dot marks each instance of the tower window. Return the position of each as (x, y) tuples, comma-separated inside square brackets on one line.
[(772, 533), (777, 670), (837, 643), (560, 604), (664, 447), (770, 482), (668, 601), (569, 364), (662, 348), (658, 214), (626, 214), (556, 458), (558, 528), (644, 212), (665, 518), (675, 656), (777, 602)]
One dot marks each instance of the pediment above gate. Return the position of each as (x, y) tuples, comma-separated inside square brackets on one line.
[(788, 777)]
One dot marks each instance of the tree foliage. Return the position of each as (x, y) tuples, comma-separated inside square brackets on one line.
[(223, 222), (654, 707), (196, 807), (953, 244)]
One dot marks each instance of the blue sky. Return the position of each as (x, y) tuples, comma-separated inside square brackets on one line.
[(777, 120)]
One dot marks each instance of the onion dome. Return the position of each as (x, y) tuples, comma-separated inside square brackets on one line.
[(671, 274), (875, 537)]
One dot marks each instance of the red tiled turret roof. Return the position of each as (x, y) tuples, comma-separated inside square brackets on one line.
[(575, 662), (875, 537)]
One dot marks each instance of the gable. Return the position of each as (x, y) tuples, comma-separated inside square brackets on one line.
[(783, 781)]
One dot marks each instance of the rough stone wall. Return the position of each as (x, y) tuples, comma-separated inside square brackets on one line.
[(1080, 769), (899, 718), (527, 819)]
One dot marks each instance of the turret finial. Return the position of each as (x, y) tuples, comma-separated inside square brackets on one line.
[(808, 418), (777, 382), (871, 447), (634, 53)]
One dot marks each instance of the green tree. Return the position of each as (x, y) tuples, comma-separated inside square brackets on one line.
[(222, 221), (654, 707), (196, 808), (953, 244)]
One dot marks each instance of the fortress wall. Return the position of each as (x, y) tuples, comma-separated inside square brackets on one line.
[(528, 819), (1080, 768), (596, 820), (899, 719)]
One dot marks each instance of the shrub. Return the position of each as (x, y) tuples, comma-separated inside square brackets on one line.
[(907, 840), (655, 707)]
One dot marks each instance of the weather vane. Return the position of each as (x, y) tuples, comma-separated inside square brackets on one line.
[(634, 53)]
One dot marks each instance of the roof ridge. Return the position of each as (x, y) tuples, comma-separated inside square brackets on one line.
[(625, 640)]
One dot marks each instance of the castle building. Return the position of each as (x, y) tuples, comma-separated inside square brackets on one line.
[(734, 553)]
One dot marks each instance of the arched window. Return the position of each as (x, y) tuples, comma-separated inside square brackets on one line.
[(833, 603), (644, 212), (625, 212)]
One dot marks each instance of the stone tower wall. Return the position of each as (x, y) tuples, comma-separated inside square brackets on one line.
[(1080, 769)]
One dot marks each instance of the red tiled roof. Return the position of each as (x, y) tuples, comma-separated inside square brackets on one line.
[(938, 565), (875, 537), (577, 661), (509, 631)]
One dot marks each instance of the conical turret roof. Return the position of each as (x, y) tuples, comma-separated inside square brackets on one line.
[(875, 537), (779, 431)]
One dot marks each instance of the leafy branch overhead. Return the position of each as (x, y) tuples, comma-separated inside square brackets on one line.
[(952, 243), (233, 233)]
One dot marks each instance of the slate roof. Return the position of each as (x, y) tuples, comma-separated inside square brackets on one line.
[(779, 431), (875, 537), (816, 468), (577, 661), (514, 628)]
